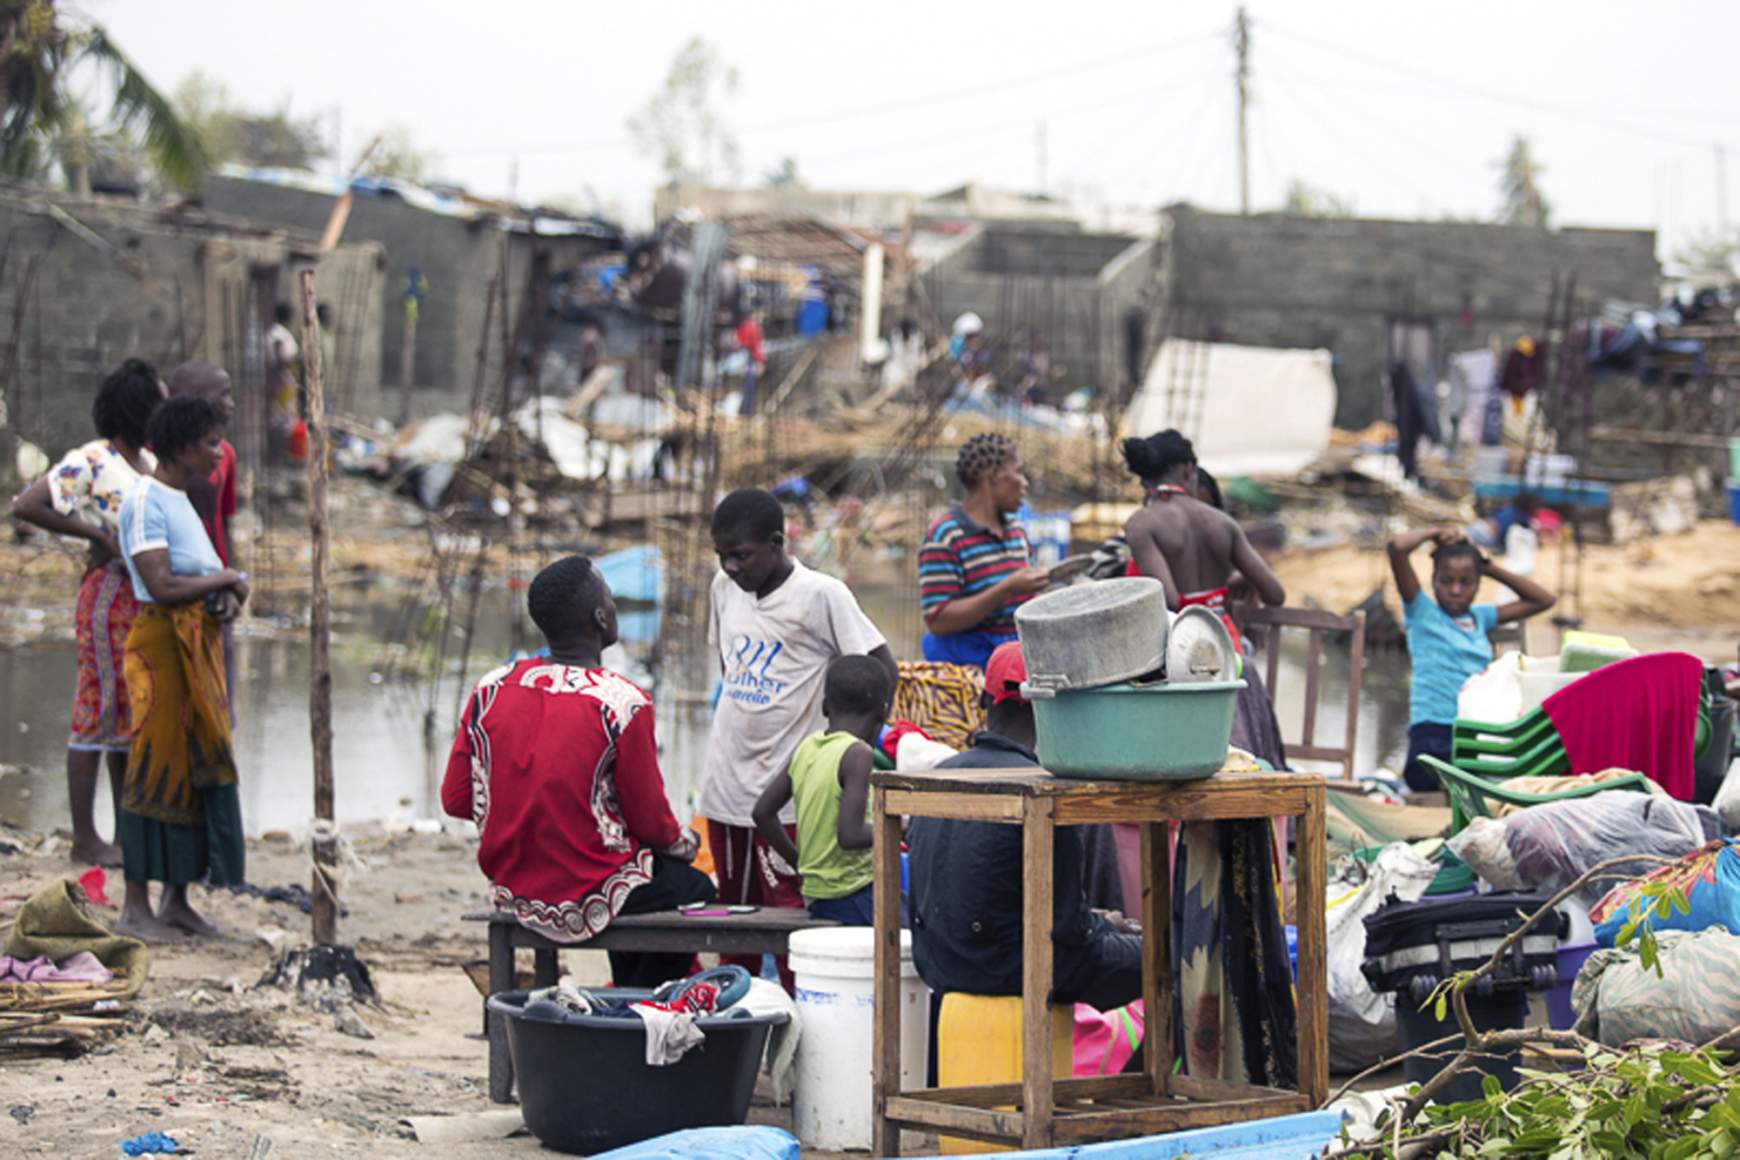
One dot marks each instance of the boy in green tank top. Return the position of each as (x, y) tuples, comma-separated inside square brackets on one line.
[(829, 776)]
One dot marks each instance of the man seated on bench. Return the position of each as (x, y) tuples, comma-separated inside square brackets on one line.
[(556, 763), (966, 900)]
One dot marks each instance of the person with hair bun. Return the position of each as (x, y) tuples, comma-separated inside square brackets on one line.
[(975, 565), (81, 496), (1447, 634)]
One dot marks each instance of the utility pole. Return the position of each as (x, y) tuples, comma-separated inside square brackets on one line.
[(1242, 75), (323, 900), (1039, 154), (1721, 191)]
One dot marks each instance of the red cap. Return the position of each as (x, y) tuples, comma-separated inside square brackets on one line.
[(1004, 673)]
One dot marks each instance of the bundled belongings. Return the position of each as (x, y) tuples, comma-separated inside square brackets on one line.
[(1695, 998), (1707, 879), (1362, 1022), (1547, 847)]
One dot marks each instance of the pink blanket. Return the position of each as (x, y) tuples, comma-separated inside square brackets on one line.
[(1640, 713), (80, 968)]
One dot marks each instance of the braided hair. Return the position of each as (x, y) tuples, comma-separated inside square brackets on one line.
[(981, 455), (1155, 456)]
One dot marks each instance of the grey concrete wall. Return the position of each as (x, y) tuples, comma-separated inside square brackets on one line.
[(168, 288), (1277, 280), (1073, 289), (457, 257)]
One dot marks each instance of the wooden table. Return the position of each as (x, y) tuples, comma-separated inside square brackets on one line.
[(1048, 1112), (764, 931)]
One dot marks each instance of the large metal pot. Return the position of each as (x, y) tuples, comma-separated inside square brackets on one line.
[(1091, 635)]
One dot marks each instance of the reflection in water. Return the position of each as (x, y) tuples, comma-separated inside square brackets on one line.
[(389, 765)]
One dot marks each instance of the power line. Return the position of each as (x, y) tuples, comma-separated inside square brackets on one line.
[(881, 108), (1499, 96), (1347, 143)]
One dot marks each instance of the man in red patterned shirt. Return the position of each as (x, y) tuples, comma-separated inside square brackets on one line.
[(556, 762)]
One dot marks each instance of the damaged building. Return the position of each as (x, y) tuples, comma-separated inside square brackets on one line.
[(86, 282), (1371, 291)]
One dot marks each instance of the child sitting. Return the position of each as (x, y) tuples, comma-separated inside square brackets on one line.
[(1447, 634), (829, 775)]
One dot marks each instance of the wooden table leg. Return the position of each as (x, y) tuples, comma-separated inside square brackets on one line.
[(1038, 836), (1157, 976), (885, 1075), (501, 978), (1313, 983)]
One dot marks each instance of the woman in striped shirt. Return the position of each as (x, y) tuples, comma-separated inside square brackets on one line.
[(975, 567)]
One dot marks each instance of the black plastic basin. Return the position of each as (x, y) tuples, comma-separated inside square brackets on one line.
[(585, 1085)]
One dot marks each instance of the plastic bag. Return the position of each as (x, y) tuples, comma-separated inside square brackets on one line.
[(1728, 797), (1362, 1023), (1710, 880), (1551, 845), (1695, 999)]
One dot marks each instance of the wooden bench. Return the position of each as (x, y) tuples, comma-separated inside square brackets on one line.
[(766, 931)]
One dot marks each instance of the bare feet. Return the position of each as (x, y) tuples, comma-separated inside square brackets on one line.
[(147, 927), (96, 852), (177, 912)]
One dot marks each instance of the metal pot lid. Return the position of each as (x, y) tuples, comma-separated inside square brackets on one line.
[(1199, 648)]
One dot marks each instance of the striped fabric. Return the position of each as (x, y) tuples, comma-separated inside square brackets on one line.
[(960, 557)]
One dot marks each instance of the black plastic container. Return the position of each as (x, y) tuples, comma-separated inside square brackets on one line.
[(585, 1085)]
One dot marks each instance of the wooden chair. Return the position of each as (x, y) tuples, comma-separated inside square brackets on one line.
[(1319, 624), (1508, 636)]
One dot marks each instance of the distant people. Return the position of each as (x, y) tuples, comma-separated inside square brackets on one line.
[(975, 567), (1447, 634), (81, 496), (181, 813), (331, 378), (829, 779), (557, 763), (967, 899), (1492, 530), (777, 626), (283, 374), (749, 341), (1192, 548), (214, 497)]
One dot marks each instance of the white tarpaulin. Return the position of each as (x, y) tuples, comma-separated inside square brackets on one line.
[(1250, 410)]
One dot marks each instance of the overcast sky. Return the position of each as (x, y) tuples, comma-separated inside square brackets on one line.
[(1404, 108)]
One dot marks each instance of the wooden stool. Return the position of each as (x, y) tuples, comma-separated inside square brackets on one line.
[(978, 1041), (1050, 1111)]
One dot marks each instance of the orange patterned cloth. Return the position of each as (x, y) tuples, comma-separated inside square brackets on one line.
[(175, 682), (942, 699)]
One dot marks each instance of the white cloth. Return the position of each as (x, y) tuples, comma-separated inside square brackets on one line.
[(765, 998), (918, 752), (669, 1035), (774, 653), (90, 483)]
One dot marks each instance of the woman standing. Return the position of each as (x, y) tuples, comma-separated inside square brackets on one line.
[(81, 496), (181, 815), (975, 565)]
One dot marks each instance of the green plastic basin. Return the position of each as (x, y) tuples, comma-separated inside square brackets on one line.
[(1133, 732)]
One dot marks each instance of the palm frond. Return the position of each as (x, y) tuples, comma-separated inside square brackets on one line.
[(172, 143)]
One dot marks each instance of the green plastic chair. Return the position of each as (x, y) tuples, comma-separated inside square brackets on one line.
[(1478, 737), (1469, 793), (1545, 758)]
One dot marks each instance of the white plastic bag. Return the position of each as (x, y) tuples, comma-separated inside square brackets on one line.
[(1362, 1023)]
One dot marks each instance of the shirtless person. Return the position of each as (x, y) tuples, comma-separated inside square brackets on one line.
[(1192, 548)]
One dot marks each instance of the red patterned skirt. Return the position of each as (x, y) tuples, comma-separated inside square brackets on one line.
[(104, 615)]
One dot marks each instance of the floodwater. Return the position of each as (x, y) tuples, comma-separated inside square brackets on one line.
[(388, 765)]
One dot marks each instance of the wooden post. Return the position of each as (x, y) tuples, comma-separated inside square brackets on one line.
[(1037, 845), (324, 889), (885, 1051), (408, 360)]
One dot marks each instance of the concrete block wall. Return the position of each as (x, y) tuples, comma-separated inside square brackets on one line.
[(1277, 280)]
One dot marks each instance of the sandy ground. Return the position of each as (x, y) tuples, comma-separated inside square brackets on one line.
[(220, 1062), (1666, 592)]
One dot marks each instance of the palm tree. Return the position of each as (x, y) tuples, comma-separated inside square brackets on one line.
[(40, 49)]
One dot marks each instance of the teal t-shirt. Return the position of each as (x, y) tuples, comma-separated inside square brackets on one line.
[(1445, 651)]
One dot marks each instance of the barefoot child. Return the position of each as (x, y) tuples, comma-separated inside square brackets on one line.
[(1447, 639), (829, 775)]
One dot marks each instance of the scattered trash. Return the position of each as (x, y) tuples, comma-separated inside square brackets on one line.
[(467, 1128), (22, 1113), (350, 1023), (150, 1144)]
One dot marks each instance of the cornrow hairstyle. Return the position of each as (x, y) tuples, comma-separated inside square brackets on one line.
[(981, 455), (1460, 550)]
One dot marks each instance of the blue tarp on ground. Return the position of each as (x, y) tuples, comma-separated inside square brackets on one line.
[(1296, 1137), (745, 1143)]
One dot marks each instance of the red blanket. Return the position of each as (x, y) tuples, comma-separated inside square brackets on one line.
[(1639, 714)]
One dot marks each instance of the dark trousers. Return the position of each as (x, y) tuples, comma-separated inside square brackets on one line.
[(674, 883), (1428, 739), (1105, 974)]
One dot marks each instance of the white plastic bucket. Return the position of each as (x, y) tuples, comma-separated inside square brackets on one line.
[(835, 975)]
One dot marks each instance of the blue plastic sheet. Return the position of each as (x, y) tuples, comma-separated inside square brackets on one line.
[(744, 1143)]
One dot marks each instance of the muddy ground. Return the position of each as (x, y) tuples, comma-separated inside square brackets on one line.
[(221, 1062)]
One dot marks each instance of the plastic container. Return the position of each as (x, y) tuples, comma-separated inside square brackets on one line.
[(1135, 732), (1571, 957), (585, 1085), (1733, 461), (1537, 686), (835, 972), (1500, 1011), (1734, 501), (1092, 635)]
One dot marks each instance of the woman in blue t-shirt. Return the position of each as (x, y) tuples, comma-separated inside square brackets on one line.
[(1447, 634)]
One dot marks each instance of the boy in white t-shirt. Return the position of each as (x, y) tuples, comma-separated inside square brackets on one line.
[(777, 626)]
